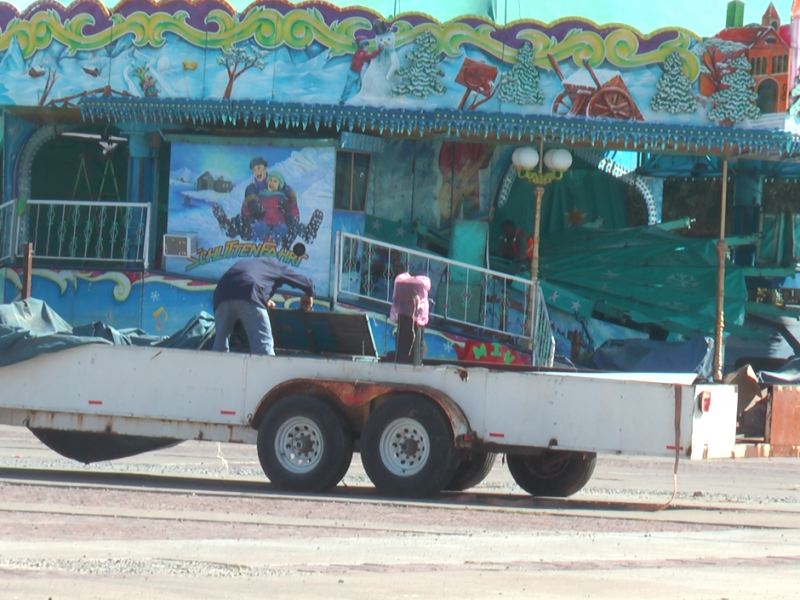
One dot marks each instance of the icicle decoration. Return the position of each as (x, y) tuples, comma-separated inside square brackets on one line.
[(472, 124)]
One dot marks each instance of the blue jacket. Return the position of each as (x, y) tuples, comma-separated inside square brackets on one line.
[(256, 279)]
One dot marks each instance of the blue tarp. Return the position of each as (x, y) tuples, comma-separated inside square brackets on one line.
[(788, 374), (653, 356)]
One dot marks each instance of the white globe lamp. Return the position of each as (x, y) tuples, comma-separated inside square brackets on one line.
[(557, 160), (527, 158)]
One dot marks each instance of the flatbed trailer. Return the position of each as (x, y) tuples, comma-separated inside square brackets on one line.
[(419, 429)]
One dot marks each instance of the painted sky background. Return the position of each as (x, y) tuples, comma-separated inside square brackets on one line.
[(703, 17)]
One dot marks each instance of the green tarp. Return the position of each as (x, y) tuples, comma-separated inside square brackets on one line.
[(583, 196), (646, 275)]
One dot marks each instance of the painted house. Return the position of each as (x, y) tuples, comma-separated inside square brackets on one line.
[(767, 47), (391, 139), (213, 180)]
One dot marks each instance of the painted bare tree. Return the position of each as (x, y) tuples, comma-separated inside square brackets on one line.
[(46, 63), (715, 57), (48, 85), (238, 60)]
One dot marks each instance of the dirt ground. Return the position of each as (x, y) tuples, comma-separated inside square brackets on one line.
[(114, 530)]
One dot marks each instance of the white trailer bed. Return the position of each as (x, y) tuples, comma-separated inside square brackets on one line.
[(187, 394)]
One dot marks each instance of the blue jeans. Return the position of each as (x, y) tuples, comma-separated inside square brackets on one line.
[(255, 321), (352, 86)]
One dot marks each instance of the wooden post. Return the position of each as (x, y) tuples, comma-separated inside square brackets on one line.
[(27, 267), (722, 252)]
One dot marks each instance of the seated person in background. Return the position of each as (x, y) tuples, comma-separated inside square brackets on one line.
[(517, 244)]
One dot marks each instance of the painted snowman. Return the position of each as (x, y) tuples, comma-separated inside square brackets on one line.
[(378, 78)]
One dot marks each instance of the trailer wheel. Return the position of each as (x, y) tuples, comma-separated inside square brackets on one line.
[(553, 473), (472, 471), (304, 444), (407, 448)]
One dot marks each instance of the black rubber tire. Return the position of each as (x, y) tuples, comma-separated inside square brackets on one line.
[(554, 473), (332, 428), (472, 471), (428, 476)]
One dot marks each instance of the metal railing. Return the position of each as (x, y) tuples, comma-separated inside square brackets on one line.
[(7, 231), (85, 231), (544, 342), (473, 296)]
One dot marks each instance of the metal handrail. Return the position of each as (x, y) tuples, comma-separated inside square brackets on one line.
[(491, 301), (85, 230), (7, 231)]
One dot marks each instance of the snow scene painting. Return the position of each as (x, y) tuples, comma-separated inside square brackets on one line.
[(250, 202), (357, 58)]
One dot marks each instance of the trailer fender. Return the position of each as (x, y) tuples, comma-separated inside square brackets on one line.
[(356, 399)]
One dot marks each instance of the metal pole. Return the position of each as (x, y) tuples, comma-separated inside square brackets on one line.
[(337, 268), (722, 252), (533, 312), (27, 267), (538, 191)]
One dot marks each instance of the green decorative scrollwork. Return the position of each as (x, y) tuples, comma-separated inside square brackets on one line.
[(300, 27), (297, 29), (44, 27), (622, 49), (149, 30)]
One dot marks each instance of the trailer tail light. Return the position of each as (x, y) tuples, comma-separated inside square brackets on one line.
[(704, 401)]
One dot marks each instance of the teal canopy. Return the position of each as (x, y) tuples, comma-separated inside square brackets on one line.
[(584, 196)]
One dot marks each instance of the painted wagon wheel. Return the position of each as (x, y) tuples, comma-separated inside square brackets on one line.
[(563, 105), (612, 103)]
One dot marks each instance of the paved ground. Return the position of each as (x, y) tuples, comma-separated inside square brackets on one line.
[(199, 521)]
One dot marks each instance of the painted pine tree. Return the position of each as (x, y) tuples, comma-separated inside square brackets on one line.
[(737, 101), (674, 93), (421, 76), (521, 84), (794, 109)]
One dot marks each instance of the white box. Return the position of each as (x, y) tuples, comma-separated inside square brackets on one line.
[(180, 244)]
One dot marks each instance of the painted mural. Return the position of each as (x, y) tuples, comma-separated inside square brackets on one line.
[(250, 202), (318, 54), (441, 181)]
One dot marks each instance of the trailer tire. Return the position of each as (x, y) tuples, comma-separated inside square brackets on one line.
[(555, 473), (407, 448), (472, 471), (304, 444)]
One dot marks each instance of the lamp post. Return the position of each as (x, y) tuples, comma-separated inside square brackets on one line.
[(526, 160)]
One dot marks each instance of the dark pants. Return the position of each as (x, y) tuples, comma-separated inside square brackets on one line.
[(408, 343)]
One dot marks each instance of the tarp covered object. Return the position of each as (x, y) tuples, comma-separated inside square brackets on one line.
[(29, 328), (646, 275), (788, 374), (654, 356)]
